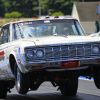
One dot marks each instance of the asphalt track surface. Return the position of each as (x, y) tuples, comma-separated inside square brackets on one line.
[(86, 91)]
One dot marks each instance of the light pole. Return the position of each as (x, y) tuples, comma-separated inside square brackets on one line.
[(39, 9)]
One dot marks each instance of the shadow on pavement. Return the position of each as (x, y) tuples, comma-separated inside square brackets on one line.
[(52, 96)]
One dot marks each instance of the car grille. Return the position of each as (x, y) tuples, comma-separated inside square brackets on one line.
[(68, 52)]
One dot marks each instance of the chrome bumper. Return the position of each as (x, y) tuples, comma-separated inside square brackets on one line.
[(57, 66)]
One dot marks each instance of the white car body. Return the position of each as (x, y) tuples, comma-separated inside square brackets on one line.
[(12, 48), (45, 54)]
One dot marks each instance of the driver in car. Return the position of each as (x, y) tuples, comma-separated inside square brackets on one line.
[(45, 30), (66, 31)]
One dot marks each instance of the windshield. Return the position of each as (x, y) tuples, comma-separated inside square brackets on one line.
[(40, 28)]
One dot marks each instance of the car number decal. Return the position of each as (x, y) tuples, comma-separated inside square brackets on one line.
[(2, 55)]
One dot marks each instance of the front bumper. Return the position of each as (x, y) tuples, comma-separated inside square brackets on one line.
[(57, 66)]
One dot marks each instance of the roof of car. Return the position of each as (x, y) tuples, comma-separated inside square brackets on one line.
[(38, 20)]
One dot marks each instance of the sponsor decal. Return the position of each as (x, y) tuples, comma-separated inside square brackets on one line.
[(46, 21), (20, 24), (10, 72), (19, 61), (1, 55), (8, 66), (6, 72), (2, 52), (19, 49), (2, 72)]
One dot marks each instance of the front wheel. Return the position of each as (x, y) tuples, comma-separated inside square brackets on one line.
[(69, 88), (96, 75), (3, 89), (21, 81)]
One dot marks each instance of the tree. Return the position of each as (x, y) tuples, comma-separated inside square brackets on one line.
[(30, 8), (65, 6), (22, 6), (2, 9), (58, 14), (35, 8), (13, 14)]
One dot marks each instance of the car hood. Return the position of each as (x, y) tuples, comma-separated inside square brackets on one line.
[(60, 40)]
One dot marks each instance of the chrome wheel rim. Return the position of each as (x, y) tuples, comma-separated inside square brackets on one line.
[(18, 79)]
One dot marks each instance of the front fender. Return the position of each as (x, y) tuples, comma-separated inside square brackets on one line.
[(17, 57)]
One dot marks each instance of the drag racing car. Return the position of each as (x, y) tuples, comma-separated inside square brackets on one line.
[(55, 50)]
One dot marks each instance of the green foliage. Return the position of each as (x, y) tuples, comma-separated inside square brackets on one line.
[(30, 8), (13, 14), (22, 6), (2, 9), (7, 15), (57, 14)]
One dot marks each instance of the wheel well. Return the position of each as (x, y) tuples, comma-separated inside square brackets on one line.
[(12, 62)]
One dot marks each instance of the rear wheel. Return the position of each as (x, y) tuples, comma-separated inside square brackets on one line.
[(3, 90), (69, 88), (21, 81)]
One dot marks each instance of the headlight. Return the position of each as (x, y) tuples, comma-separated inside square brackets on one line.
[(30, 54), (95, 49), (39, 53)]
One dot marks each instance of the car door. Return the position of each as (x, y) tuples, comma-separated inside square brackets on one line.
[(4, 40)]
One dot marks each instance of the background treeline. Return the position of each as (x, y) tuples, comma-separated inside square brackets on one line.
[(30, 8)]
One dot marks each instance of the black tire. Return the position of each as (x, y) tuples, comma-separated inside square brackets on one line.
[(96, 75), (21, 81), (3, 89), (69, 88)]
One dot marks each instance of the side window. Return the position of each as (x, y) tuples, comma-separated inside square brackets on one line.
[(74, 30), (5, 35), (54, 30)]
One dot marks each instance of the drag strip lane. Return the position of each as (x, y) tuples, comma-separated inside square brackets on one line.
[(86, 91)]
